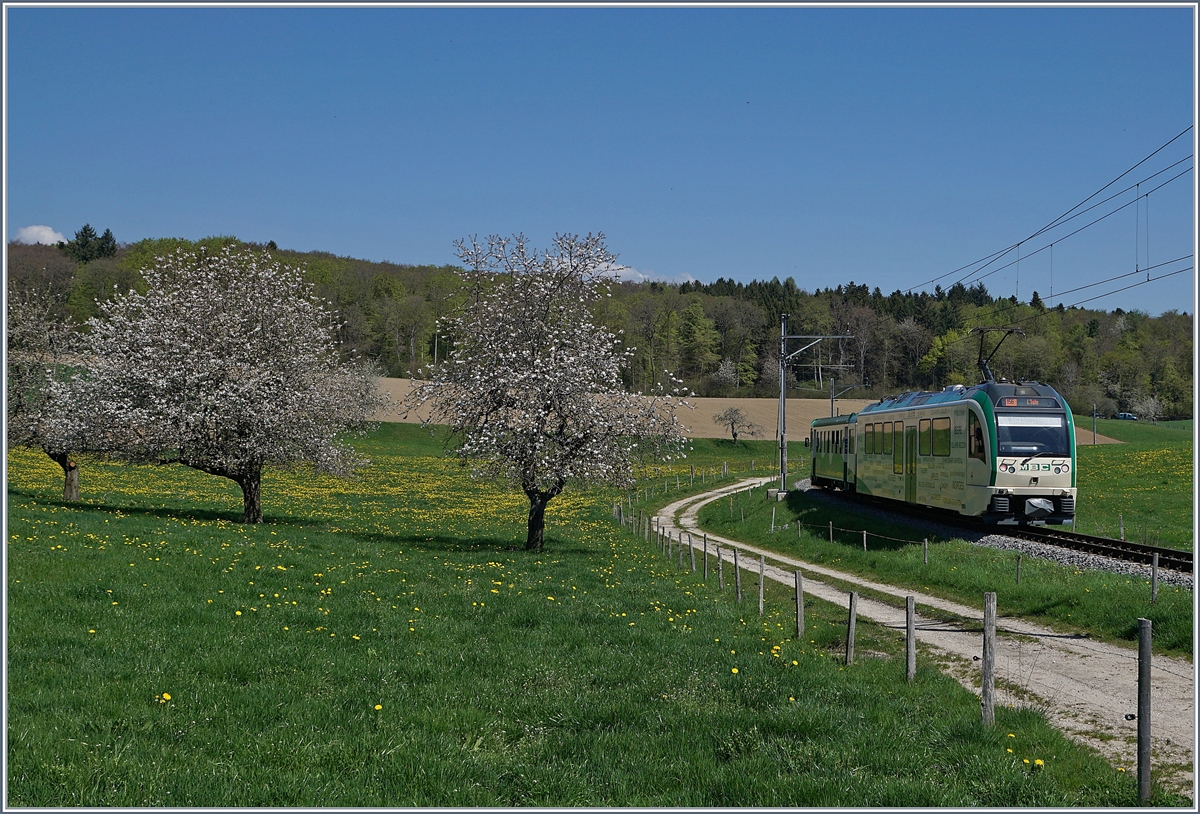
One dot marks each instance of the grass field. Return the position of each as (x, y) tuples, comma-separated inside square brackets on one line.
[(1147, 482), (385, 642), (1104, 604)]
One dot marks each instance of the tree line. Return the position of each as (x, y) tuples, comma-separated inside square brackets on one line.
[(719, 338)]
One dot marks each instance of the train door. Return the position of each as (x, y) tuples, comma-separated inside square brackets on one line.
[(910, 464)]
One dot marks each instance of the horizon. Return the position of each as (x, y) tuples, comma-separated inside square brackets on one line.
[(897, 147)]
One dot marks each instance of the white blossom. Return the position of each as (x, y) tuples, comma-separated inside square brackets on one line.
[(532, 388), (227, 363)]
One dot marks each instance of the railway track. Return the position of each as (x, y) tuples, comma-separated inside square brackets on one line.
[(1170, 558)]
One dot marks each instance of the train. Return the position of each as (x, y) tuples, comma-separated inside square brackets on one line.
[(1002, 452)]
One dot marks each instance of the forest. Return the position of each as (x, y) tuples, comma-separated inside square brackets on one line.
[(720, 338)]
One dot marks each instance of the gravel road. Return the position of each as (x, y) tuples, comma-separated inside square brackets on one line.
[(1085, 687)]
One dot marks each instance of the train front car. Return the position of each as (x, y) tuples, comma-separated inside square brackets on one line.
[(1000, 451), (1032, 447)]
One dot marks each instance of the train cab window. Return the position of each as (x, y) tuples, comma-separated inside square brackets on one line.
[(869, 438), (898, 455), (925, 437), (879, 439), (887, 438), (853, 440), (941, 437), (975, 438)]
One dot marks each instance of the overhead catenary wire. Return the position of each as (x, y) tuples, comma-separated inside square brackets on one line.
[(1089, 224), (1061, 218)]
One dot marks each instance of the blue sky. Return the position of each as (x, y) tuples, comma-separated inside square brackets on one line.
[(884, 146)]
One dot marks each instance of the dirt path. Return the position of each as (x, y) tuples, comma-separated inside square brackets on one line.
[(1085, 687)]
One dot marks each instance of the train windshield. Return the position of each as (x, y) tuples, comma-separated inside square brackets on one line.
[(1033, 435)]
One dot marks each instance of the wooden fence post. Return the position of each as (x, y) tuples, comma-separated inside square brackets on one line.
[(772, 519), (850, 627), (762, 569), (910, 644), (1143, 713), (1018, 568), (864, 539), (737, 575), (692, 480), (831, 532), (692, 552), (706, 556), (1154, 578), (799, 605), (926, 546), (1121, 519), (989, 658), (720, 571)]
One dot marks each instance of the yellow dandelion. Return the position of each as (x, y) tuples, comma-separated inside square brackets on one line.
[(237, 613), (378, 707), (735, 669), (167, 697), (1038, 762)]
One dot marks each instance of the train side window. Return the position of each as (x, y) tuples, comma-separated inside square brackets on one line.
[(869, 438), (879, 439), (898, 455), (887, 438), (925, 437), (941, 437), (853, 440), (975, 438)]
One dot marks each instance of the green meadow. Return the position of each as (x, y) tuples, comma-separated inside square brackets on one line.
[(385, 641), (1146, 482)]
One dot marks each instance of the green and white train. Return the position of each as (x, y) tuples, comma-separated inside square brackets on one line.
[(1000, 451)]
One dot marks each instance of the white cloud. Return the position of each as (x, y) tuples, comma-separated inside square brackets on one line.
[(630, 274), (39, 234)]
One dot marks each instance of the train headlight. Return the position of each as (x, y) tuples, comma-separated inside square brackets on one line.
[(1066, 467), (1058, 470)]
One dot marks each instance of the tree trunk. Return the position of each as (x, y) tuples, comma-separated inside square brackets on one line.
[(70, 474), (251, 484), (538, 498)]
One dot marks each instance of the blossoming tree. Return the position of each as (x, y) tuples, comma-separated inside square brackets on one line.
[(532, 387), (227, 364), (39, 348)]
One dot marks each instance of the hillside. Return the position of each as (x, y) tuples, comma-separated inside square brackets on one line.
[(699, 420)]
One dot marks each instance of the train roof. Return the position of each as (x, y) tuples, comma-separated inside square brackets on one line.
[(957, 392)]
